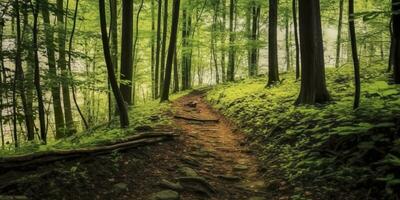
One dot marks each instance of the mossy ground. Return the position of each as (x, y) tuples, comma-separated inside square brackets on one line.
[(322, 149)]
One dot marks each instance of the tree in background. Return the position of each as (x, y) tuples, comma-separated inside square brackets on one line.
[(354, 52), (171, 50), (232, 37), (273, 72), (313, 85), (396, 40), (126, 51), (123, 111)]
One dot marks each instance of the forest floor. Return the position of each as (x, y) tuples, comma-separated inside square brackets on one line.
[(209, 160)]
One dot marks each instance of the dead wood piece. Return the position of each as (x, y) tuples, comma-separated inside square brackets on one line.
[(196, 119)]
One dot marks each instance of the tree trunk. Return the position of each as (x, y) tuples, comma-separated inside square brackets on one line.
[(69, 121), (232, 38), (287, 42), (396, 40), (176, 73), (313, 85), (214, 41), (296, 38), (114, 51), (185, 54), (123, 112), (339, 34), (2, 79), (164, 44), (158, 50), (126, 51), (153, 83), (273, 69), (55, 86), (135, 60), (171, 50), (356, 62), (223, 40), (39, 93)]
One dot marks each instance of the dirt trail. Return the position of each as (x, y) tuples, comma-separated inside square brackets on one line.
[(221, 155)]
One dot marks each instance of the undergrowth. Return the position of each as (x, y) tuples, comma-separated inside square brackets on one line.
[(150, 113), (322, 149)]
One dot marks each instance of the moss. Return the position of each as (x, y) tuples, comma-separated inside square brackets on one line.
[(324, 148)]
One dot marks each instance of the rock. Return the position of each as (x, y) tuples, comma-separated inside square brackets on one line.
[(120, 187), (240, 168), (257, 198), (229, 177), (197, 184), (192, 104), (165, 195), (190, 161), (187, 171), (170, 185)]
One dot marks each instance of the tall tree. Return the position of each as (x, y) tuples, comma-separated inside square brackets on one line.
[(126, 50), (153, 83), (339, 34), (313, 85), (232, 37), (69, 122), (356, 62), (123, 111), (114, 50), (396, 40), (255, 10), (273, 73), (158, 50), (171, 50), (39, 93), (296, 38), (164, 44), (223, 40), (55, 85)]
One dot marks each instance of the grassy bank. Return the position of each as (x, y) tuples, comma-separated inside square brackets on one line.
[(320, 150)]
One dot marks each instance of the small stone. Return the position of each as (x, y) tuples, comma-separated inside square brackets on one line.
[(187, 171), (165, 195), (240, 167), (257, 198), (119, 187), (170, 185)]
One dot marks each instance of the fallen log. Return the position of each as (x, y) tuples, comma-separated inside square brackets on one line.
[(56, 155), (196, 119)]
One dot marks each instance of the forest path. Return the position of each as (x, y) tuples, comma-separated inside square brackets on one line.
[(212, 151)]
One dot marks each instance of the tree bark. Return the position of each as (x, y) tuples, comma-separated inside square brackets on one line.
[(339, 34), (126, 51), (296, 38), (164, 44), (171, 50), (232, 37), (313, 85), (356, 62), (158, 51), (153, 83), (176, 73), (55, 86), (273, 69), (396, 40), (114, 51), (69, 121), (123, 112)]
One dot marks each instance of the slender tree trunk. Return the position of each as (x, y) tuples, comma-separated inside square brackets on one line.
[(214, 41), (339, 34), (114, 51), (20, 78), (287, 42), (223, 40), (123, 112), (171, 50), (164, 44), (176, 73), (126, 50), (296, 38), (39, 93), (2, 79), (55, 88), (273, 73), (232, 38), (184, 65), (356, 62), (135, 59), (153, 83), (313, 85), (158, 50), (396, 40), (69, 122)]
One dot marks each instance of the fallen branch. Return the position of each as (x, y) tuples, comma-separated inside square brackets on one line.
[(55, 155), (196, 119)]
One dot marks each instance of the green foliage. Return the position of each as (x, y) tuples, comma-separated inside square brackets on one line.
[(324, 148)]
